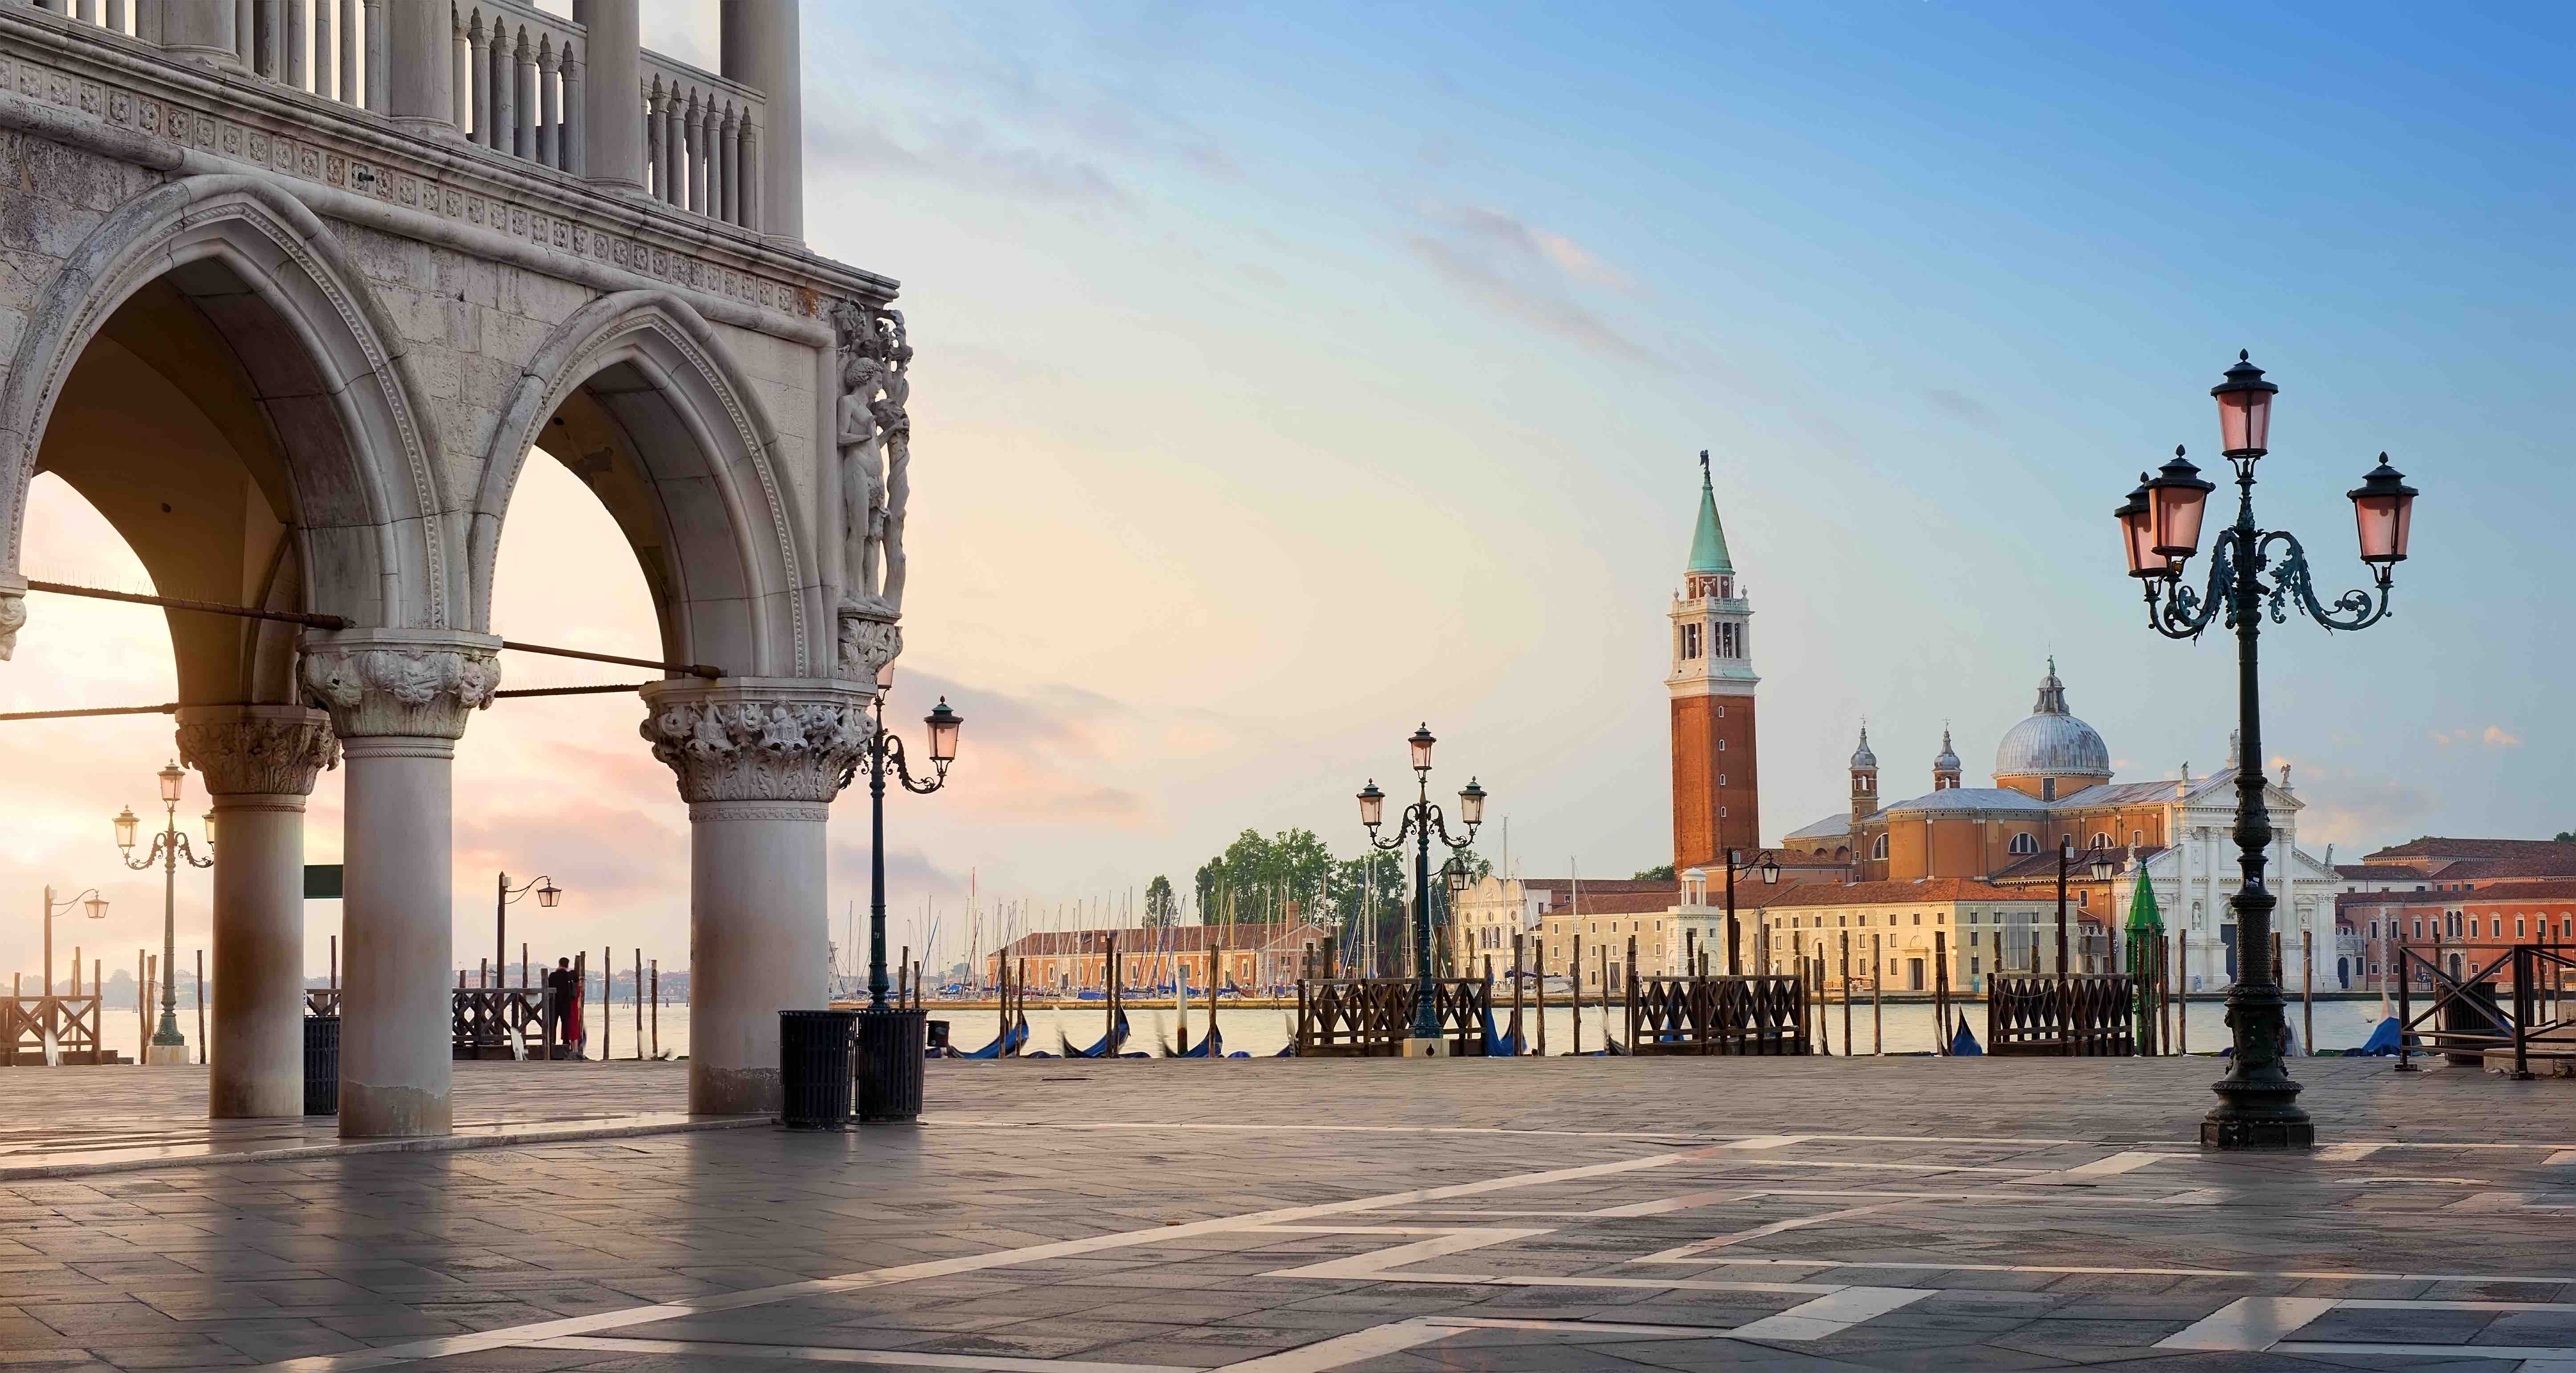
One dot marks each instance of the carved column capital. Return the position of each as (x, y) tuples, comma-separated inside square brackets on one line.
[(407, 683), (257, 750), (780, 740), (869, 639)]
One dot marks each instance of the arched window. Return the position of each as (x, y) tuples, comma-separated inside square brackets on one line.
[(2023, 843), (1878, 849)]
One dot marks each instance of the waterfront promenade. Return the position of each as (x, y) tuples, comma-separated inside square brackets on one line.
[(1280, 1215)]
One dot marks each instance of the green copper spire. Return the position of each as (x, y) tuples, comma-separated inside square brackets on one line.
[(2144, 919), (1708, 541)]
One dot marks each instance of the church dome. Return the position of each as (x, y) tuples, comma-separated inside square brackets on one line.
[(1945, 761), (1862, 757), (2052, 743)]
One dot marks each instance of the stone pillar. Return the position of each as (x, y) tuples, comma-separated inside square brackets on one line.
[(762, 50), (421, 65), (399, 700), (202, 29), (613, 134), (259, 763), (759, 760)]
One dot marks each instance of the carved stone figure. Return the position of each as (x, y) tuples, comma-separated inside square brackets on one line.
[(257, 750), (13, 617), (753, 748), (894, 427), (874, 432), (387, 682)]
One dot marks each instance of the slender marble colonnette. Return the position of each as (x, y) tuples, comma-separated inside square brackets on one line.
[(259, 763), (399, 701), (759, 760)]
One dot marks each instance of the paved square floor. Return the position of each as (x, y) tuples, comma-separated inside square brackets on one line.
[(1269, 1216)]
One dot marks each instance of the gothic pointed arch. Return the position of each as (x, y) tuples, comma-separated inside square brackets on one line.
[(309, 346), (668, 432)]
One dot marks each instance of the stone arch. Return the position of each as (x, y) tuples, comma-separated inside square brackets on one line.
[(709, 513), (324, 367)]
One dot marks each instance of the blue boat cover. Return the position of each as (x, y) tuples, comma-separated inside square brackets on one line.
[(1964, 1044), (2383, 1040)]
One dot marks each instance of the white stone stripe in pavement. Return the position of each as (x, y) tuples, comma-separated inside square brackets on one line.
[(2264, 1324), (1687, 1252), (1829, 1315), (888, 1358), (445, 1346), (2126, 1161), (2327, 1274)]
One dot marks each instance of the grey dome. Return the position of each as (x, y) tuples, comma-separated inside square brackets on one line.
[(1945, 761), (1862, 757), (2052, 742)]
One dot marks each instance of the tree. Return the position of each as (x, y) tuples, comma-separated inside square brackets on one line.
[(1664, 873), (1162, 908), (2567, 836), (1263, 874)]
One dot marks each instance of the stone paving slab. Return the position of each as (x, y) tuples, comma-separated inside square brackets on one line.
[(1271, 1216)]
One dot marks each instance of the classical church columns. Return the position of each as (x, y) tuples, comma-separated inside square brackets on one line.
[(759, 761), (399, 700), (259, 763)]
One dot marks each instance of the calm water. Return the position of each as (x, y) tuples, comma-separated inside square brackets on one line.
[(1908, 1028)]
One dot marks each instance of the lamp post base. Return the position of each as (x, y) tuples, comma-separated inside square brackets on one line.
[(2258, 1134), (165, 1056), (1432, 1047)]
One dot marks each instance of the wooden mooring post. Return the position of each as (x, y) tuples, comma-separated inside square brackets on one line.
[(201, 1004), (657, 1008), (1877, 1007), (1941, 992), (1848, 1046), (1541, 969), (2182, 984), (1519, 1044)]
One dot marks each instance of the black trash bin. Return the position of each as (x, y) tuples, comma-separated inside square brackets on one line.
[(2473, 1012), (814, 1069), (891, 1043), (321, 1065)]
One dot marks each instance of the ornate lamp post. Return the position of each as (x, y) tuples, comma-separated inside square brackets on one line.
[(890, 1037), (547, 895), (1769, 867), (2258, 1105), (91, 903), (1420, 820), (169, 847)]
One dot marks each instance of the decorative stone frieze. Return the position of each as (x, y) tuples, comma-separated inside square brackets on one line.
[(257, 750), (408, 683), (762, 739)]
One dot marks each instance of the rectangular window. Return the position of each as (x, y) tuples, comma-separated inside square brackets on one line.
[(1690, 641), (2517, 927)]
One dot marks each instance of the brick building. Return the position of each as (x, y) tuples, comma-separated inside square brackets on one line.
[(1259, 954), (1717, 794)]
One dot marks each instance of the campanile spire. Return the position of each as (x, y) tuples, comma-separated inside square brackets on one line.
[(1717, 802)]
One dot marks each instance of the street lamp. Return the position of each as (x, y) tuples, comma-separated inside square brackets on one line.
[(168, 848), (92, 905), (503, 894), (1420, 820), (890, 1053), (1769, 867), (2258, 1105)]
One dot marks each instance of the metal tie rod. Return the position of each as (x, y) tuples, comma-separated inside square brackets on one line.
[(172, 707), (316, 620)]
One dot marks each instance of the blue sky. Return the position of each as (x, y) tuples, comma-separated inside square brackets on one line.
[(1291, 375)]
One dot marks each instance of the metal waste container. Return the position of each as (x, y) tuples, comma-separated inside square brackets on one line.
[(321, 1065), (2461, 1016), (891, 1044), (814, 1069)]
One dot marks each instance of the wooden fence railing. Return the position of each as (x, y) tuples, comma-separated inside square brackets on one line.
[(1369, 1017), (1717, 1015), (71, 1022), (483, 1022), (2464, 1021), (2069, 1016)]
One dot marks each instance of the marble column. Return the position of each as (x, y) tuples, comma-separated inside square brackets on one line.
[(202, 29), (759, 46), (613, 135), (421, 64), (259, 762), (759, 760), (399, 701)]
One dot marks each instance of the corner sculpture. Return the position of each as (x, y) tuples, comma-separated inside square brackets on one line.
[(874, 433)]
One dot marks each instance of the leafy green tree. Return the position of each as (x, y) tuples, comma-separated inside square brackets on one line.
[(1161, 906), (2567, 836), (1261, 873), (1663, 873)]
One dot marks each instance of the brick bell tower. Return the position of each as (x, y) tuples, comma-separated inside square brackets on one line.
[(1717, 798)]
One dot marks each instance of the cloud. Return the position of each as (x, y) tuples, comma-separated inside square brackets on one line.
[(2360, 811), (1530, 243), (2493, 736), (1553, 313), (964, 152), (1964, 408)]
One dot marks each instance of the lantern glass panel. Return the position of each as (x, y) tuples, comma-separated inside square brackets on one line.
[(95, 907), (2383, 522), (1372, 806), (549, 894), (2178, 512), (171, 776), (943, 724), (1421, 743), (125, 823), (210, 830), (2244, 421), (1471, 803)]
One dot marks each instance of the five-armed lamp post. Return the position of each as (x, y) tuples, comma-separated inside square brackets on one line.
[(2258, 1104), (1769, 867), (547, 895), (890, 1042), (1420, 820), (168, 848)]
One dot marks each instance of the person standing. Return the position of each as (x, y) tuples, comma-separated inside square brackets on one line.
[(563, 992)]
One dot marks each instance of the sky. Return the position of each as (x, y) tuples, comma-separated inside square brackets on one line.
[(1289, 377)]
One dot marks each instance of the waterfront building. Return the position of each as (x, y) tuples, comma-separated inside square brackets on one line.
[(1253, 953), (1984, 928), (293, 312)]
